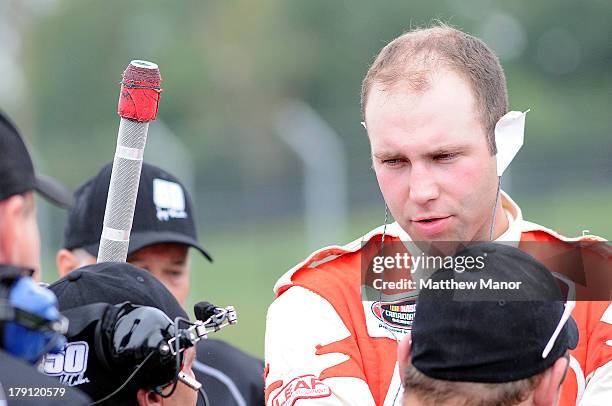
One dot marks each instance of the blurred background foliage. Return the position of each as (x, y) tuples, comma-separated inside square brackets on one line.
[(228, 68)]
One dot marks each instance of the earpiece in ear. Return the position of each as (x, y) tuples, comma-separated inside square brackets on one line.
[(363, 124), (509, 137)]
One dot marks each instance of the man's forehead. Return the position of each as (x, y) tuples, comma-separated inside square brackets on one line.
[(422, 142), (442, 84), (436, 119), (387, 95), (161, 249)]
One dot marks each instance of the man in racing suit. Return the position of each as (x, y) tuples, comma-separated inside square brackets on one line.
[(431, 101)]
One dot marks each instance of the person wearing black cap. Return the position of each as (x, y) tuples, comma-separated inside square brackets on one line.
[(485, 346), (162, 232), (19, 237), (163, 228), (96, 372), (22, 342)]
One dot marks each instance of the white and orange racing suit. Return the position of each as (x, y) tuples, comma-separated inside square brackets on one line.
[(326, 346)]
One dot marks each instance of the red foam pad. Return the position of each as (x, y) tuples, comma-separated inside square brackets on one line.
[(140, 91)]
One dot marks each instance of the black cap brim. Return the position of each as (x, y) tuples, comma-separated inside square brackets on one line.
[(54, 191), (140, 240)]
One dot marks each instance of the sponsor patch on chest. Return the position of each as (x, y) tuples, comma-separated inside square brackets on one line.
[(396, 316), (302, 387)]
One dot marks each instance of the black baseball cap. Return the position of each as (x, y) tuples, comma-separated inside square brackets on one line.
[(490, 335), (17, 171), (114, 283), (110, 283), (163, 212)]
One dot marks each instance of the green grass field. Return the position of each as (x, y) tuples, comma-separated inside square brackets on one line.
[(249, 259)]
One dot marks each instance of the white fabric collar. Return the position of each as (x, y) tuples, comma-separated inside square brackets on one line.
[(515, 220)]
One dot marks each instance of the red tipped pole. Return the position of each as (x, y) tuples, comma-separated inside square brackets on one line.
[(138, 102)]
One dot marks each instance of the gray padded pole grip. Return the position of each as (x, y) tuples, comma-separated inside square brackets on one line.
[(123, 191)]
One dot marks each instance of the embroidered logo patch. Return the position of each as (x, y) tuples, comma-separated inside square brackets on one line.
[(169, 200), (70, 365), (396, 315), (302, 387)]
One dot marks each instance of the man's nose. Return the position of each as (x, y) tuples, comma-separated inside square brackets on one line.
[(423, 186)]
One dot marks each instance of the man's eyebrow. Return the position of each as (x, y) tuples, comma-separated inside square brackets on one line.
[(446, 149), (387, 155), (179, 259), (441, 150)]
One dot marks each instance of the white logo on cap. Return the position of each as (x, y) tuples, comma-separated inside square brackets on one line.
[(169, 200), (69, 365)]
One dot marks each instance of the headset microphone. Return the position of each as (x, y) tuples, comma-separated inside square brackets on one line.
[(142, 338), (204, 310)]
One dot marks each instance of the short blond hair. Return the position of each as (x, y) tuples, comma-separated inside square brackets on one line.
[(410, 58)]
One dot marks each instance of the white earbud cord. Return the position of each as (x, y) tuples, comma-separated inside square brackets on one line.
[(390, 330), (495, 209)]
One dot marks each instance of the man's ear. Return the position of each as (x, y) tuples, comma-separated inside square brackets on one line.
[(11, 215), (65, 261), (546, 391), (148, 398)]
